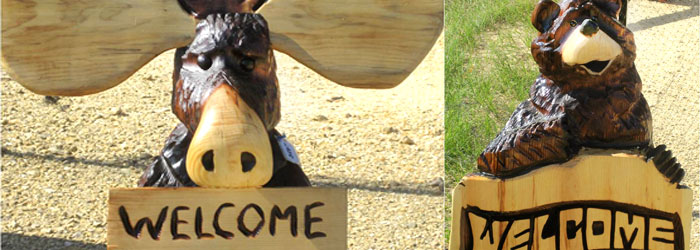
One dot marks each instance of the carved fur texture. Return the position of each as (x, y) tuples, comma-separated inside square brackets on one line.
[(230, 50), (574, 104)]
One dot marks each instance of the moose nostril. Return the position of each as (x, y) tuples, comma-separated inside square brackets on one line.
[(248, 161), (589, 27), (208, 160)]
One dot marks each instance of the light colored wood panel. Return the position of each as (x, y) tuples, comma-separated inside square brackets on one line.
[(614, 190), (73, 47), (327, 204), (362, 43)]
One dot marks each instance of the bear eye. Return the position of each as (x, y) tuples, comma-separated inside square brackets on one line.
[(204, 62), (594, 18), (247, 64), (572, 23)]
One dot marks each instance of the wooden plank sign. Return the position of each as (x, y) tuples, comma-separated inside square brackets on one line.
[(597, 200), (200, 218)]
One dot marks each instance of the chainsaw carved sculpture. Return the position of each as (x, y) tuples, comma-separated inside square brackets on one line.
[(588, 93), (225, 91), (575, 166), (226, 95)]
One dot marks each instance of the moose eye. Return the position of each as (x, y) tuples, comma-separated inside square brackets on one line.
[(204, 62), (247, 64), (573, 23)]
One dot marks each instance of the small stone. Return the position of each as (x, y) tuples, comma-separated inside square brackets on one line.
[(407, 141), (437, 182), (389, 130), (117, 112), (320, 118), (335, 98), (51, 99), (145, 156)]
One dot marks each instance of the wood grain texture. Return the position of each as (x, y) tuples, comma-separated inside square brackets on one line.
[(149, 202), (72, 47), (591, 180), (363, 43), (228, 130)]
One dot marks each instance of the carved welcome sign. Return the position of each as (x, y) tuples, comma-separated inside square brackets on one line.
[(201, 218), (597, 200)]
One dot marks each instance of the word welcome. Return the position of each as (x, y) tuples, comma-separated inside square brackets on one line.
[(249, 230), (573, 225)]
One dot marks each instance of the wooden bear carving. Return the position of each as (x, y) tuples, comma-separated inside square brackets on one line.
[(588, 93)]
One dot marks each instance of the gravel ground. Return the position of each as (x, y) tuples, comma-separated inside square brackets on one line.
[(668, 56), (61, 156)]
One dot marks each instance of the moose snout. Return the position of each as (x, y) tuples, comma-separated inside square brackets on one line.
[(590, 27), (230, 147)]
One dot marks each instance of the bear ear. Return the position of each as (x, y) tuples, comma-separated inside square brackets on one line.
[(544, 14), (611, 7)]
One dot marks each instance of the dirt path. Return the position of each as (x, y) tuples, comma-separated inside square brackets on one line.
[(668, 57), (386, 146)]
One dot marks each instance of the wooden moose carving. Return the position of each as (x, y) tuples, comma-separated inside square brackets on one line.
[(225, 91)]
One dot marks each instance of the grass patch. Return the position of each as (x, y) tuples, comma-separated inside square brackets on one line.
[(488, 71)]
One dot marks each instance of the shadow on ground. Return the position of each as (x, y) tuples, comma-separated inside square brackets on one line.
[(665, 19), (12, 241), (374, 186), (125, 163), (318, 180)]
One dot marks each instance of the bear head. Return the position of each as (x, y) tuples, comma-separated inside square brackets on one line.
[(581, 43)]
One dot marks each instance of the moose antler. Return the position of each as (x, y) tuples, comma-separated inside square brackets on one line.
[(70, 47)]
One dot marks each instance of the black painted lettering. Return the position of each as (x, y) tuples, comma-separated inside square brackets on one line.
[(241, 222), (526, 232), (217, 228), (308, 220), (572, 228), (551, 227), (598, 227), (587, 224), (275, 214), (174, 221), (135, 231), (198, 226), (627, 242), (488, 228)]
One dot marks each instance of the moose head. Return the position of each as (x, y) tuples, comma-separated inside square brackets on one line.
[(225, 91)]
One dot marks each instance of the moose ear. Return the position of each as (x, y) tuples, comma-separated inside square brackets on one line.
[(544, 14)]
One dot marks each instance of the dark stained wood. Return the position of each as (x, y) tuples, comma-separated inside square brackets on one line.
[(233, 51), (204, 8), (569, 107)]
